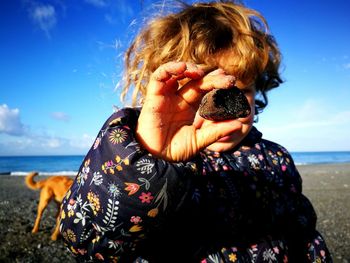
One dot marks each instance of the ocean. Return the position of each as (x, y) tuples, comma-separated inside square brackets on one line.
[(69, 165), (45, 165)]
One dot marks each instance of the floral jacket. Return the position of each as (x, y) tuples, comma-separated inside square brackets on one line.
[(245, 205)]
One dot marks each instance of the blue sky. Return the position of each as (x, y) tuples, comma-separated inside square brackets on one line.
[(61, 60)]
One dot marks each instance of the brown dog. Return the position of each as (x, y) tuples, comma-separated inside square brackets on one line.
[(55, 188)]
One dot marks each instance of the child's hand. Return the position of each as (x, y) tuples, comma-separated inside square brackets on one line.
[(166, 124)]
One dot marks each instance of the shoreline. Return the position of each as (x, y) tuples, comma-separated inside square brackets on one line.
[(23, 174), (300, 166), (327, 186)]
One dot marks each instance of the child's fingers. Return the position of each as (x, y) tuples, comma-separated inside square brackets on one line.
[(215, 131), (192, 92), (166, 76), (193, 71), (166, 71), (198, 121)]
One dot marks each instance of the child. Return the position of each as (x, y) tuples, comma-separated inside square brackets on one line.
[(162, 184)]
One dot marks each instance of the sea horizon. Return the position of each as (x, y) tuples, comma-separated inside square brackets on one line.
[(83, 155), (20, 165)]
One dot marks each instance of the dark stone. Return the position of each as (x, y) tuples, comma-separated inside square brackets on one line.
[(224, 104)]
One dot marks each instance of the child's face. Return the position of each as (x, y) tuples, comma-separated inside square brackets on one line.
[(229, 142)]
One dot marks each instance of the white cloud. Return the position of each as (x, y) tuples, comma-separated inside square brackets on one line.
[(311, 126), (35, 144), (340, 119), (60, 116), (314, 114), (347, 66), (19, 139), (10, 121), (53, 143), (83, 142), (44, 16)]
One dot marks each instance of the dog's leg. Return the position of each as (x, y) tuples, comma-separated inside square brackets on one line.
[(56, 232), (45, 198)]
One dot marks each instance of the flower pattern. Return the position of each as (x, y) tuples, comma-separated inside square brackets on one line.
[(122, 196), (117, 136), (132, 188), (94, 201), (146, 197)]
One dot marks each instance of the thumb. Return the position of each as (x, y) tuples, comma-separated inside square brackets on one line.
[(215, 131)]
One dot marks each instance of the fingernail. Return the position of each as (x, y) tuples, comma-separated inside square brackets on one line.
[(231, 79), (217, 72), (191, 67)]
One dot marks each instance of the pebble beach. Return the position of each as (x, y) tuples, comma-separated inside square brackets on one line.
[(327, 186)]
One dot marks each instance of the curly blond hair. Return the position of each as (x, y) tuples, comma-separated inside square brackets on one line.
[(199, 33)]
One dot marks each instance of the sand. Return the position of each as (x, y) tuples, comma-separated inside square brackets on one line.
[(327, 186)]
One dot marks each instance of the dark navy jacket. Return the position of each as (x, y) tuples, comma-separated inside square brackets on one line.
[(244, 205)]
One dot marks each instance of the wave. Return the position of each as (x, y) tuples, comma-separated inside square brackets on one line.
[(22, 173), (298, 163)]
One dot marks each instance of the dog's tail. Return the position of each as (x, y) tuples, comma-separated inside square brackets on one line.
[(31, 183)]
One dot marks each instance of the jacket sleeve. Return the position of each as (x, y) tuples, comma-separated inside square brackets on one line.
[(120, 194), (298, 223)]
